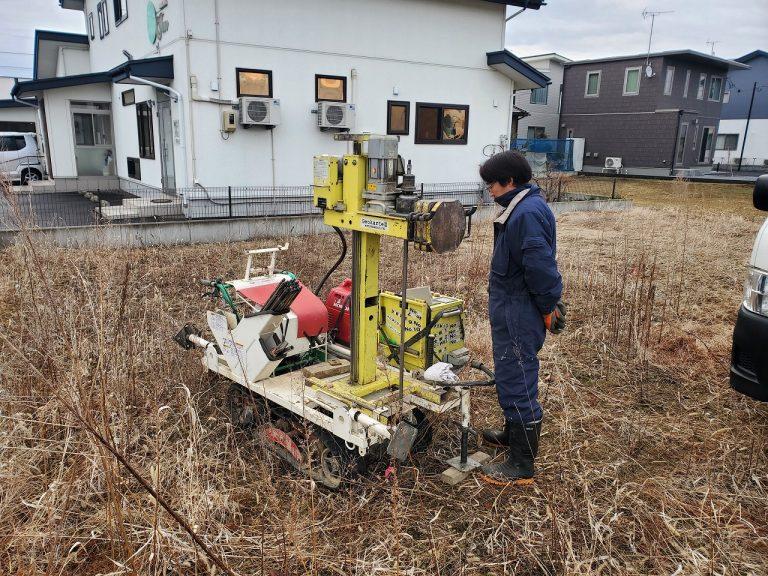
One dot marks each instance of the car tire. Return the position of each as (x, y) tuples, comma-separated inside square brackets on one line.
[(30, 175)]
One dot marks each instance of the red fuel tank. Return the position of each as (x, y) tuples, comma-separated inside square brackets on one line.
[(338, 304)]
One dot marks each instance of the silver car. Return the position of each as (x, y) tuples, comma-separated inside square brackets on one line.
[(20, 158)]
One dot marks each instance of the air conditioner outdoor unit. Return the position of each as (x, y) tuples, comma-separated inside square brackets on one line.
[(259, 111), (335, 115), (612, 163)]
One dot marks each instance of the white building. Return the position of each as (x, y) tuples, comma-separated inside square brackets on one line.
[(14, 116), (145, 93), (542, 105)]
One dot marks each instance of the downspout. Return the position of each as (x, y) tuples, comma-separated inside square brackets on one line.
[(40, 130), (175, 95), (193, 148)]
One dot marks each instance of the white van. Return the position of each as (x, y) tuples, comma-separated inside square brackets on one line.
[(20, 159), (749, 360)]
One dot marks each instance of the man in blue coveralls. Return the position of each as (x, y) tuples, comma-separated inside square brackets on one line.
[(524, 302)]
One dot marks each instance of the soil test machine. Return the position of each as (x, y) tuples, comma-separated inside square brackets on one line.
[(323, 400)]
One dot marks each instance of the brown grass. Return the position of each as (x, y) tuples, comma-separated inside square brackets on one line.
[(650, 464)]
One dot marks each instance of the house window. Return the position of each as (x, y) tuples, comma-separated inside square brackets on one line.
[(92, 123), (441, 123), (539, 95), (716, 88), (536, 132), (669, 80), (129, 97), (101, 11), (121, 11), (687, 81), (91, 29), (727, 142), (398, 117), (592, 88), (702, 85), (145, 130), (681, 143), (254, 82), (631, 81), (134, 168), (330, 88)]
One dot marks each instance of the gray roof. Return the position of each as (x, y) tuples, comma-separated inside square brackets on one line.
[(683, 54)]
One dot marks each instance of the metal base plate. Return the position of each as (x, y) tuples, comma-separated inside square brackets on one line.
[(469, 465)]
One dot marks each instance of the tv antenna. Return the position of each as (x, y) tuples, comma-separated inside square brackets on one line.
[(652, 15), (712, 43)]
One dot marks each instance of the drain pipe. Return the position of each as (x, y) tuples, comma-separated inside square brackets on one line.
[(175, 95), (40, 130)]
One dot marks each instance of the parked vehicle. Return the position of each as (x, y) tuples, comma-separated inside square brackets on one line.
[(20, 158), (749, 361)]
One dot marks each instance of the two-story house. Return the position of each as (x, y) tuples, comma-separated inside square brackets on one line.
[(658, 111), (745, 113), (542, 105), (159, 92)]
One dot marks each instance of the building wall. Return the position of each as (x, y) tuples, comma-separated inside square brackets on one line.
[(741, 83), (545, 115), (756, 149), (640, 128), (444, 62), (73, 61), (61, 135), (21, 119), (125, 124)]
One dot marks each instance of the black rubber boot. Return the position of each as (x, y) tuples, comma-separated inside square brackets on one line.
[(495, 437), (518, 467)]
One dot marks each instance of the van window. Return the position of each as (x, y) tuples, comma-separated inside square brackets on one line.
[(12, 143)]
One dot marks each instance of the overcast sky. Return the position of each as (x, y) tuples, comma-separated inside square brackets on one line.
[(576, 29)]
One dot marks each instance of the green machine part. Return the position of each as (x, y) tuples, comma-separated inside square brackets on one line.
[(434, 329)]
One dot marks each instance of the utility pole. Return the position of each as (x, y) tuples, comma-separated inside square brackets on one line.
[(746, 128)]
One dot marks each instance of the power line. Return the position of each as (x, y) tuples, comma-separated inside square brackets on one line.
[(19, 53)]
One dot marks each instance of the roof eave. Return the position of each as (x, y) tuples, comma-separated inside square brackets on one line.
[(523, 74)]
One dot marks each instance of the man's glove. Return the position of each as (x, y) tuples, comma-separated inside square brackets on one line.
[(555, 320)]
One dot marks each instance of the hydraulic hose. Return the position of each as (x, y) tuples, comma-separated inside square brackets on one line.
[(338, 262)]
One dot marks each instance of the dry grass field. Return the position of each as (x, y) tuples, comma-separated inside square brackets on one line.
[(649, 463)]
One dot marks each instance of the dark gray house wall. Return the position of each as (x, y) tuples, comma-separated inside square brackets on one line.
[(641, 128), (740, 88)]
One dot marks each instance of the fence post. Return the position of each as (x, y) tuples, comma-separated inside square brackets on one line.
[(229, 197), (613, 190), (559, 188)]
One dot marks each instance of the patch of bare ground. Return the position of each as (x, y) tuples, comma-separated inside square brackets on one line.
[(649, 463)]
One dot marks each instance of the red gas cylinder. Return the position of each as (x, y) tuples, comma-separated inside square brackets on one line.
[(338, 304)]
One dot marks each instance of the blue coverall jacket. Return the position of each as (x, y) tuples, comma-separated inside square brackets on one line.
[(524, 285)]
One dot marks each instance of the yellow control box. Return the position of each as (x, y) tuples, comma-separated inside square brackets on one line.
[(434, 328)]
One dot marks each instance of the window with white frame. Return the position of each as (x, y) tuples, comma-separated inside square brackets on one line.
[(592, 88), (687, 81), (121, 11), (631, 81), (101, 11), (669, 80), (727, 142), (716, 88), (702, 85), (539, 95)]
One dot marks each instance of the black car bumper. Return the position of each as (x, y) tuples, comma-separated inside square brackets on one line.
[(749, 357)]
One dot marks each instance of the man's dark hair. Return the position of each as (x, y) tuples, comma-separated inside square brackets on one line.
[(506, 166)]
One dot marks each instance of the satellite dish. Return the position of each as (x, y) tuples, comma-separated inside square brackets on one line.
[(649, 71)]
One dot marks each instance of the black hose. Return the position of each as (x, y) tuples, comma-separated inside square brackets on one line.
[(338, 262)]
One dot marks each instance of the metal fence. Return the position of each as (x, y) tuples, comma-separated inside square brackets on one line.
[(64, 206)]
